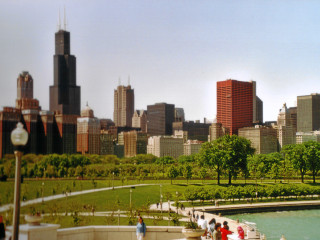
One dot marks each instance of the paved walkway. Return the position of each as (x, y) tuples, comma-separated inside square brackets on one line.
[(7, 207), (198, 211)]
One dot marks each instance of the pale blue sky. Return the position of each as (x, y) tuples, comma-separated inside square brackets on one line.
[(174, 50)]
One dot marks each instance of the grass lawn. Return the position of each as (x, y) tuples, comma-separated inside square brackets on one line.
[(32, 189)]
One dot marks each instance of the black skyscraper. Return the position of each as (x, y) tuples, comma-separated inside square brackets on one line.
[(64, 94)]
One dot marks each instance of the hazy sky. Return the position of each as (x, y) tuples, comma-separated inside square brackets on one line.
[(174, 50)]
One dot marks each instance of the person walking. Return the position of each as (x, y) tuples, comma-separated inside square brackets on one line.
[(217, 233), (141, 229), (2, 229), (212, 224)]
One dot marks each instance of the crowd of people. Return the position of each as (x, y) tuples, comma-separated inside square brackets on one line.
[(214, 230)]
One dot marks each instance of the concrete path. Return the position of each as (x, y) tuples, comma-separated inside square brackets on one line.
[(7, 207)]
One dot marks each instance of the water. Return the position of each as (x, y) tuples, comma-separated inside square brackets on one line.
[(294, 225)]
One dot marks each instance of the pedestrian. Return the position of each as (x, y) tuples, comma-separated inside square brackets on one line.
[(141, 229), (202, 223), (212, 224), (240, 232), (2, 229), (217, 233), (225, 231), (157, 205), (197, 217)]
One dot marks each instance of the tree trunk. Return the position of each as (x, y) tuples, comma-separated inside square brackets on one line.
[(314, 176), (218, 178), (230, 176)]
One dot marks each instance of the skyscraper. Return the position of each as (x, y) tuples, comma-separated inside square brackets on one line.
[(88, 132), (123, 106), (286, 132), (308, 113), (25, 98), (237, 104), (160, 118), (64, 94)]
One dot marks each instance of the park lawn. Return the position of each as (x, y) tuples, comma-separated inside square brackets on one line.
[(105, 200), (31, 189)]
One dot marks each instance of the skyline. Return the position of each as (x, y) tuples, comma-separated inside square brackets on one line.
[(173, 51)]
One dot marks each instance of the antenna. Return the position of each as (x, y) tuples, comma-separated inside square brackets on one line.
[(59, 22), (87, 103), (119, 82), (129, 80), (65, 19)]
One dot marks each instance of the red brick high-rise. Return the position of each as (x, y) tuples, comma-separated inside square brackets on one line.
[(237, 104)]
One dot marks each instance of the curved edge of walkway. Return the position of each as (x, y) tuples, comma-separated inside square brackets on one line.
[(7, 207)]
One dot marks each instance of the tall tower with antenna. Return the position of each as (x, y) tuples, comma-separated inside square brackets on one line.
[(64, 94), (123, 106)]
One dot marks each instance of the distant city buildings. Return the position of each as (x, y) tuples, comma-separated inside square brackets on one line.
[(123, 106), (216, 130), (162, 146), (302, 137), (263, 139), (195, 130), (161, 130), (238, 105), (160, 118), (308, 113), (139, 120), (65, 95), (179, 115), (25, 98), (285, 126), (134, 143), (88, 132), (191, 147)]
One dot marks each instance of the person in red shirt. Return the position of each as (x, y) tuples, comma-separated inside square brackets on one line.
[(240, 232), (225, 231)]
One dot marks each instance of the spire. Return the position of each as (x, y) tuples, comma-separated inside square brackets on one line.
[(65, 19), (119, 82), (59, 21), (129, 80)]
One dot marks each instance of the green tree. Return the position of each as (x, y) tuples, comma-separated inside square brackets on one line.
[(210, 155), (236, 150), (172, 172), (187, 172), (275, 160), (295, 153), (312, 155), (163, 161), (203, 174), (257, 166)]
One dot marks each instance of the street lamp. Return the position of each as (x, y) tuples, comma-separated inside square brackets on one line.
[(42, 191), (113, 181), (161, 203), (130, 198), (19, 138), (177, 195)]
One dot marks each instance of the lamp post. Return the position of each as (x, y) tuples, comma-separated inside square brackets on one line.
[(177, 195), (130, 198), (113, 181), (161, 203), (19, 138), (42, 191)]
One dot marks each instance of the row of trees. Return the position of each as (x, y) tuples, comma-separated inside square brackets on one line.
[(250, 192), (234, 155), (228, 156)]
